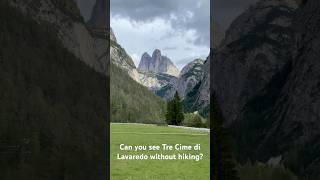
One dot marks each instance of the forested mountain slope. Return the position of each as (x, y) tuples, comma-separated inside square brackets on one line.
[(53, 105)]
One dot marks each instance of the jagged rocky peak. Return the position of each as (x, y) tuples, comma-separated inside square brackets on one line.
[(156, 54), (146, 55), (197, 64), (145, 62), (157, 64)]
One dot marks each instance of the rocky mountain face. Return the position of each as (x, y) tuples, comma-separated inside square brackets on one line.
[(71, 29), (157, 71), (120, 58), (192, 83), (188, 78), (157, 63), (151, 79), (266, 78), (198, 97), (256, 46), (297, 109), (156, 81)]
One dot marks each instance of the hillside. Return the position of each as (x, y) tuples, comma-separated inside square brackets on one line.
[(130, 101), (72, 31), (133, 102), (52, 105)]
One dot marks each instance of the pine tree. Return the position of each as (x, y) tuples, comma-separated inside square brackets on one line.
[(174, 115), (223, 164), (170, 112)]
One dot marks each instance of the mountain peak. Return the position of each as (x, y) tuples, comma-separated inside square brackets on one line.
[(156, 51), (145, 55), (197, 62), (156, 55), (157, 63)]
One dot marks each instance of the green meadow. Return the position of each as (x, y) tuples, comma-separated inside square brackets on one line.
[(149, 135)]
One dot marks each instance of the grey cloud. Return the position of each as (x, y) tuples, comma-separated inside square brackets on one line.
[(148, 10)]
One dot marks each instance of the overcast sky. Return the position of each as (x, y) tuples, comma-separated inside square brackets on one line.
[(179, 28)]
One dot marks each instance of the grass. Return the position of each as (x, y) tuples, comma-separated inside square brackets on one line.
[(137, 134)]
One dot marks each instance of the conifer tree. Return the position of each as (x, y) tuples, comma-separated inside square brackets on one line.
[(174, 115)]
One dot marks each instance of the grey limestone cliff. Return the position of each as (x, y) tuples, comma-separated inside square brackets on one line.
[(157, 63)]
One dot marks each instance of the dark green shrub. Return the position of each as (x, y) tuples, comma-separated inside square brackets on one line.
[(194, 120)]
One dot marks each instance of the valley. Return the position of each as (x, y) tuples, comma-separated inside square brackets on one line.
[(157, 135), (158, 75)]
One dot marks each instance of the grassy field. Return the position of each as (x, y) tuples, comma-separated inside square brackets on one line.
[(135, 134)]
